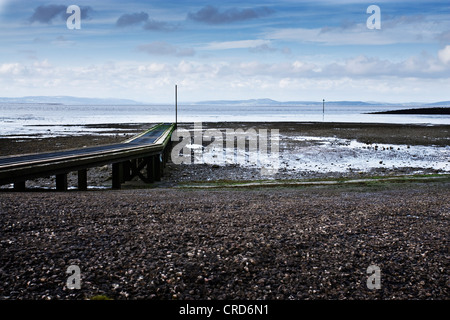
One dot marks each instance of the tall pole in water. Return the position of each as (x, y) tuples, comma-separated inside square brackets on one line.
[(176, 107), (323, 110)]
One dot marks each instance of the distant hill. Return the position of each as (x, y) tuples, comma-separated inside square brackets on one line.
[(441, 103), (270, 102), (256, 102), (67, 100)]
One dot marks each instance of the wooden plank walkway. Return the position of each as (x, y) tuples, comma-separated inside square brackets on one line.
[(147, 150)]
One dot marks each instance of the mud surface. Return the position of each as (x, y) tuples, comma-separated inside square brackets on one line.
[(305, 151)]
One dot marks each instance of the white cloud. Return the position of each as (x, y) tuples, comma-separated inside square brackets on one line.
[(331, 36), (444, 54), (164, 49), (396, 31), (152, 68), (11, 69), (239, 44), (422, 66), (360, 78)]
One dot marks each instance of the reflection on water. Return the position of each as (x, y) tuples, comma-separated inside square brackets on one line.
[(331, 154), (46, 119), (308, 154)]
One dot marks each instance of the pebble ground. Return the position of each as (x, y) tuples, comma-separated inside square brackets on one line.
[(277, 243)]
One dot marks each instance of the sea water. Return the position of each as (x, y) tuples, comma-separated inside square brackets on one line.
[(28, 119)]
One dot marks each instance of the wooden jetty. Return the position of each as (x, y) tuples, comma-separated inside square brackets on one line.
[(149, 150)]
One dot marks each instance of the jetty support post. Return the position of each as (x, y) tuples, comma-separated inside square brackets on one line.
[(19, 186), (157, 167), (150, 162), (117, 175), (61, 182), (82, 179), (127, 168)]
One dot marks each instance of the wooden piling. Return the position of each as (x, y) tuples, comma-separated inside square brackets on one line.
[(117, 175), (61, 182), (82, 179), (157, 167), (127, 170), (150, 169), (19, 186)]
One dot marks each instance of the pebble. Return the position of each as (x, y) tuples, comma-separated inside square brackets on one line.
[(244, 244)]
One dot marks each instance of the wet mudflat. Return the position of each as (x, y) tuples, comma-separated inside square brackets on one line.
[(305, 151)]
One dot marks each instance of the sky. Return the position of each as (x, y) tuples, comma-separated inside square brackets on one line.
[(284, 50)]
